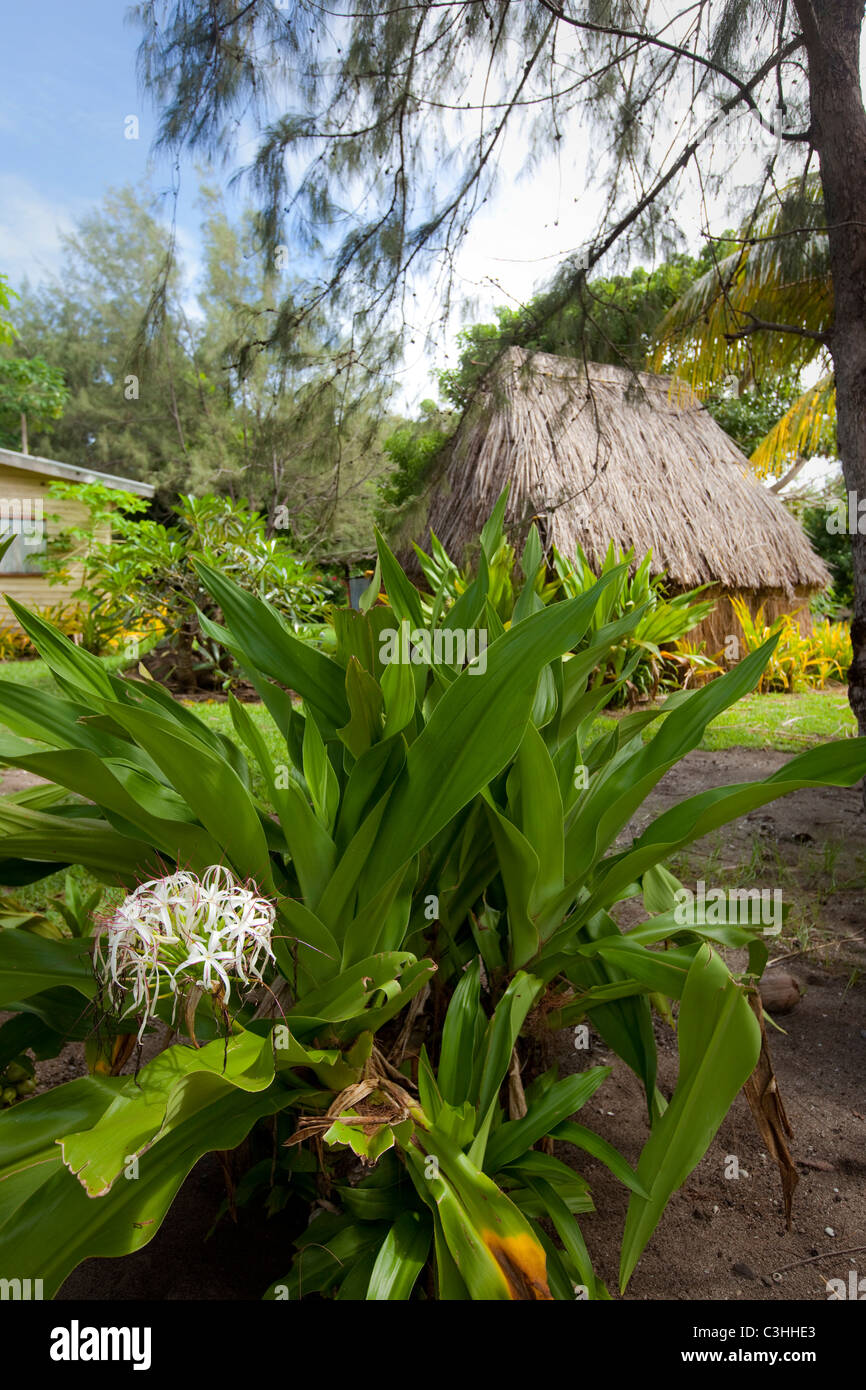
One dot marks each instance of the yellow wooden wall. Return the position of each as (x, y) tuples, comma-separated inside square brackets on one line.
[(33, 590)]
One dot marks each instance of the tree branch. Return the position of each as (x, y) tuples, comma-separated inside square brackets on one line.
[(655, 41), (764, 326)]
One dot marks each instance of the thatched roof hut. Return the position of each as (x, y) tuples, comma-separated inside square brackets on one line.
[(599, 453)]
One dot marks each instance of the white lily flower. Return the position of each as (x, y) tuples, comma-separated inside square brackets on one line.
[(181, 930)]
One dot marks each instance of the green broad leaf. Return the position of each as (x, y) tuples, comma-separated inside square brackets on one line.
[(354, 634), (466, 612), (540, 814), (491, 533), (561, 1100), (132, 802), (352, 991), (371, 593), (468, 1256), (403, 598), (412, 979), (337, 902), (150, 694), (211, 788), (491, 1241), (474, 731), (660, 972), (43, 836), (251, 735), (533, 554), (55, 1226), (450, 1287), (571, 1133), (461, 1037), (312, 850), (28, 1134), (382, 923), (719, 1042), (571, 1187), (494, 1056), (327, 1250), (30, 964), (319, 775), (398, 690), (726, 932), (36, 714), (301, 940), (659, 888), (160, 1096), (364, 698), (569, 1233), (518, 867), (73, 664), (353, 1288), (624, 1023), (840, 764), (615, 793), (371, 776), (271, 648)]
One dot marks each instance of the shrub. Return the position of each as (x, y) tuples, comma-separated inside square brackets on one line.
[(439, 841), (651, 656), (143, 582), (798, 661)]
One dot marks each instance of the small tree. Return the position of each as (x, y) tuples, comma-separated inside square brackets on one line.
[(30, 389)]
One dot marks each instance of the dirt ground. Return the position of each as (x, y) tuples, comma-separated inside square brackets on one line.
[(725, 1238), (720, 1237)]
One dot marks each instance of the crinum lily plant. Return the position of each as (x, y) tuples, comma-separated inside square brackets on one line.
[(437, 853), (180, 933)]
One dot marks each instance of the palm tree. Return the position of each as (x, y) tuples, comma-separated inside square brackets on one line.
[(763, 311)]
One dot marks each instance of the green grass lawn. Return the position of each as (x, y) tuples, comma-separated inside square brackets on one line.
[(787, 723)]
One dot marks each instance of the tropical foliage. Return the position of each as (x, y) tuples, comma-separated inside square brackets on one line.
[(778, 273), (163, 384), (432, 866), (142, 584), (651, 655), (800, 660), (648, 658)]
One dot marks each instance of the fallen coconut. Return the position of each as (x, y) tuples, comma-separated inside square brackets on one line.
[(780, 993)]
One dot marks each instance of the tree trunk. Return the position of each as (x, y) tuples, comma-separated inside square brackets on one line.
[(832, 35)]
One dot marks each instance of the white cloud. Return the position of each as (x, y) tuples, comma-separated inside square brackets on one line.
[(30, 229)]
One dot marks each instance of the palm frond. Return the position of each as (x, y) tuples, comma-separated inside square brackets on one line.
[(779, 274), (800, 430)]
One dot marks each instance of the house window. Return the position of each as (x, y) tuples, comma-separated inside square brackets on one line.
[(22, 516)]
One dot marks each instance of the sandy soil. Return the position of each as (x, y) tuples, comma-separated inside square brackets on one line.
[(720, 1238), (723, 1238)]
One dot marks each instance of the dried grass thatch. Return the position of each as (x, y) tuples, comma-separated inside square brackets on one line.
[(599, 453)]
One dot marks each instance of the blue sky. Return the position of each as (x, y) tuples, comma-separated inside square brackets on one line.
[(63, 102)]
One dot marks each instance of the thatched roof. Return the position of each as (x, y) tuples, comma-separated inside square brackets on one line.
[(598, 453)]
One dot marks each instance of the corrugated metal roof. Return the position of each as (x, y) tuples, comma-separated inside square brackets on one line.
[(52, 468)]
